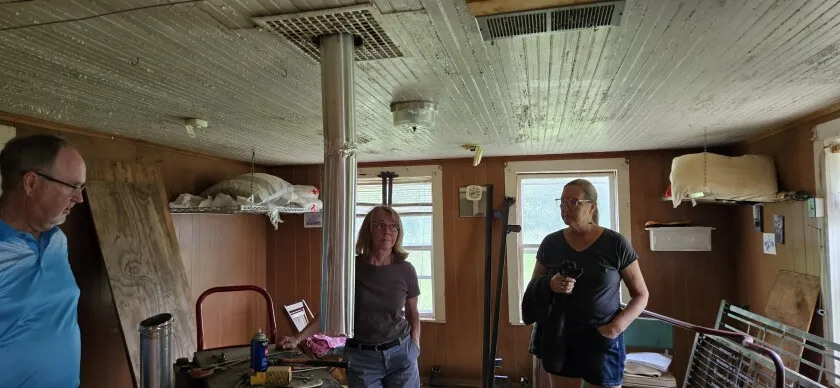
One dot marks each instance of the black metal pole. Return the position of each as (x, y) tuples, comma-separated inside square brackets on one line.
[(391, 190), (503, 213), (487, 369), (384, 189)]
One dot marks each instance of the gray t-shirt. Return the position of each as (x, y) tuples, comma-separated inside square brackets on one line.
[(596, 297), (381, 294)]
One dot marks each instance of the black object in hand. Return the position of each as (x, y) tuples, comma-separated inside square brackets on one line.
[(570, 269)]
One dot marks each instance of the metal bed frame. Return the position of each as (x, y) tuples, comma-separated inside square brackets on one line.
[(770, 354)]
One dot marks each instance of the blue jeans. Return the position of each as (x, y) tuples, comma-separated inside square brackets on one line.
[(392, 368), (594, 358)]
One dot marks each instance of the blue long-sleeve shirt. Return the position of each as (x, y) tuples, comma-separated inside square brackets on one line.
[(40, 343)]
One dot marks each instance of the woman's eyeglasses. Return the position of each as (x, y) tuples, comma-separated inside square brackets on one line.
[(568, 203), (383, 226)]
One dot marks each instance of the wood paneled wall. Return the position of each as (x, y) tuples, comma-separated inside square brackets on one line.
[(216, 250), (688, 286), (226, 250), (793, 153)]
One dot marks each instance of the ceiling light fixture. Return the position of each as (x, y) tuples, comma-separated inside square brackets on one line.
[(414, 115)]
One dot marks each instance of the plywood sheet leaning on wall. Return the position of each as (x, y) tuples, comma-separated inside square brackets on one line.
[(792, 302), (137, 238)]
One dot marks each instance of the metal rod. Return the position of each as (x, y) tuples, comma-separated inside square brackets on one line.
[(487, 368), (390, 190), (339, 186), (199, 319), (384, 189), (500, 275)]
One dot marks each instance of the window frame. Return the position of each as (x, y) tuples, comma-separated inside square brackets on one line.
[(824, 135), (436, 173), (620, 167)]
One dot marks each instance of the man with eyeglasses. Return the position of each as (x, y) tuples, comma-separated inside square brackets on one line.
[(43, 177)]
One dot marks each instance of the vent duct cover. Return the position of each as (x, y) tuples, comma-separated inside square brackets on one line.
[(301, 29), (550, 20)]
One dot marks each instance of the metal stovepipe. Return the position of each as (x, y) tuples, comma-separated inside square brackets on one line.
[(339, 184)]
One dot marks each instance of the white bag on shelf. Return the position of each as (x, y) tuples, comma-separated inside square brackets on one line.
[(266, 189)]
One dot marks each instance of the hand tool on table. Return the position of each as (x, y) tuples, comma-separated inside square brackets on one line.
[(324, 363), (200, 373)]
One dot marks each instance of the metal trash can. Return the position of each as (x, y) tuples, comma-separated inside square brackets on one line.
[(156, 351)]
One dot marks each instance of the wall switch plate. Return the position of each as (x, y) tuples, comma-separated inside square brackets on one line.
[(816, 207)]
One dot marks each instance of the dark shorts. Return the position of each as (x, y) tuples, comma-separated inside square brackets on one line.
[(597, 359)]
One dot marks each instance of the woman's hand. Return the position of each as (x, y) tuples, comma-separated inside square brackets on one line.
[(561, 284), (610, 331), (289, 343)]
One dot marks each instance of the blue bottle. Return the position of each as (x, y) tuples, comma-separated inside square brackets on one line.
[(259, 352)]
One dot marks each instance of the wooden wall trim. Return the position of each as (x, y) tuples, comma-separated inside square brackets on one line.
[(808, 121), (523, 158), (43, 124)]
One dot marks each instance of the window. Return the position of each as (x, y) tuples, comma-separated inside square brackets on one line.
[(827, 171), (417, 197), (536, 186)]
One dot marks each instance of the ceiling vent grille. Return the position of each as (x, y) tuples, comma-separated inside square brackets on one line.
[(550, 20), (363, 21)]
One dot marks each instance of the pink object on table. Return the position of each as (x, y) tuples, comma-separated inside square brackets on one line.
[(320, 344)]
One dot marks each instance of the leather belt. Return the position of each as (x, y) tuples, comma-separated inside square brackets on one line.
[(376, 348)]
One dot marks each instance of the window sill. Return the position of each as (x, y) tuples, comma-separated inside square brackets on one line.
[(431, 320)]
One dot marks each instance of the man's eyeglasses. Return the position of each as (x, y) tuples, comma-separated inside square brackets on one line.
[(80, 187), (389, 227), (568, 203)]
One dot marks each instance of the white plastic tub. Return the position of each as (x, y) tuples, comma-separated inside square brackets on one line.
[(682, 238)]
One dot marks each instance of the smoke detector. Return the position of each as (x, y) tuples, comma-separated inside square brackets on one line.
[(414, 115)]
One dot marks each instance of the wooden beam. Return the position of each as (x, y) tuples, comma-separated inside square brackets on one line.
[(495, 7)]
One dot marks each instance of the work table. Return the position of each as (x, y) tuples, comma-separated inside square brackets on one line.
[(230, 378)]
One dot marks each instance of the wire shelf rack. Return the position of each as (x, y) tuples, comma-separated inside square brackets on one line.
[(241, 209)]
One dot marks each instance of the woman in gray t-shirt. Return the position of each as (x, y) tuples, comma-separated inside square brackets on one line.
[(594, 320), (386, 341)]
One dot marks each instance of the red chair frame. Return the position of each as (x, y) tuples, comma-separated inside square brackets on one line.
[(272, 322)]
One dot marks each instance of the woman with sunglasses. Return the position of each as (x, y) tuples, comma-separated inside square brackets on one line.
[(593, 321)]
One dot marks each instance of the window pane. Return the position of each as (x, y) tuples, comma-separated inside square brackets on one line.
[(529, 259), (540, 213), (426, 300), (417, 230), (422, 262)]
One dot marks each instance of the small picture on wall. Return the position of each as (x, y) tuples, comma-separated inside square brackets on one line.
[(769, 243), (779, 228), (757, 219), (311, 220)]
